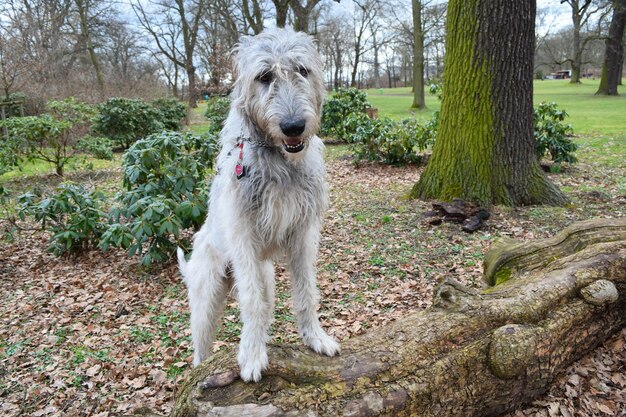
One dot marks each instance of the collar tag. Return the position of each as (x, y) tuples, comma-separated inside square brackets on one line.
[(240, 168)]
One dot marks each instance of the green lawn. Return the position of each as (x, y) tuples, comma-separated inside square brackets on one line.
[(588, 113), (81, 163)]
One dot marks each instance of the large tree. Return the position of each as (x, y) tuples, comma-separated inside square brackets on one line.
[(614, 51), (485, 150)]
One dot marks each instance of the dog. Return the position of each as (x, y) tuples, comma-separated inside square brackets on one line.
[(266, 201)]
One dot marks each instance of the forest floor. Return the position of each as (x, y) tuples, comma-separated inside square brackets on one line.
[(97, 335)]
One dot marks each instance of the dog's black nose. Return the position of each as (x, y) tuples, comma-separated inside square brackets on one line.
[(292, 127)]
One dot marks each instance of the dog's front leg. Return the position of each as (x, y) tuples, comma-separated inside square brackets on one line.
[(301, 262), (255, 289)]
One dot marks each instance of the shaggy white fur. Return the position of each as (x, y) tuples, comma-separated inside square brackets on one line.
[(273, 209)]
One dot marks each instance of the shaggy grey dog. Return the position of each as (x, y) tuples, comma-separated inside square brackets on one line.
[(266, 201)]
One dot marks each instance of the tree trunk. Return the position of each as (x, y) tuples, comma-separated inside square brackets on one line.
[(376, 50), (254, 18), (418, 57), (614, 51), (282, 9), (471, 354), (580, 15), (485, 151), (83, 14)]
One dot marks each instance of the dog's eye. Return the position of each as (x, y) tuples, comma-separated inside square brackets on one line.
[(303, 71), (265, 77)]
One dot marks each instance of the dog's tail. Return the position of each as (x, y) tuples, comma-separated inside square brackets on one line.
[(182, 263)]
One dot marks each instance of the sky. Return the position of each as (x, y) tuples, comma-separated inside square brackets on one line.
[(561, 13)]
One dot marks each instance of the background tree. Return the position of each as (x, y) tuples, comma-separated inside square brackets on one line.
[(614, 51), (418, 56), (85, 10), (253, 14), (173, 19), (366, 12), (484, 150), (582, 11)]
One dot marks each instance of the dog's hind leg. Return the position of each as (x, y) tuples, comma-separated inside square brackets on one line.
[(255, 290), (207, 287), (301, 263)]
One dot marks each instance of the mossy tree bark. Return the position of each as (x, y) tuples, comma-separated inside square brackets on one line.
[(471, 354), (485, 150), (614, 51)]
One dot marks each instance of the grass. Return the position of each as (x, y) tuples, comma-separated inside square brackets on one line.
[(38, 167), (588, 113)]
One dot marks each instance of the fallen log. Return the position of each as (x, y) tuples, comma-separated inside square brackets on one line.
[(473, 353)]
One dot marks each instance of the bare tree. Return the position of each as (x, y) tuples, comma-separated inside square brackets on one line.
[(175, 21), (12, 65), (366, 13), (253, 14), (334, 40), (582, 12), (85, 10)]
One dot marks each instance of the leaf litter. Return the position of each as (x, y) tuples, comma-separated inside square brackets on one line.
[(96, 335)]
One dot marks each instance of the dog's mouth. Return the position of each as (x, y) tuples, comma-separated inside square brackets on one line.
[(293, 145)]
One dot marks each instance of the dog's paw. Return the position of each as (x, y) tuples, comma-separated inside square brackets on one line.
[(322, 343), (251, 365)]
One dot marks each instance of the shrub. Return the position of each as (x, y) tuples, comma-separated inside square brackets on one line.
[(337, 107), (98, 147), (72, 214), (552, 135), (436, 89), (217, 111), (51, 137), (125, 120), (388, 141), (11, 148), (166, 190), (173, 111)]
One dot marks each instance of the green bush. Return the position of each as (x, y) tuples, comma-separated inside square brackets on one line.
[(436, 89), (337, 107), (50, 137), (125, 120), (98, 147), (11, 148), (173, 111), (166, 191), (217, 111), (72, 214), (385, 140), (552, 136)]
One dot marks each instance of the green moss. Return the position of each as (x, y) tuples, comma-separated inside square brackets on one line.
[(503, 275)]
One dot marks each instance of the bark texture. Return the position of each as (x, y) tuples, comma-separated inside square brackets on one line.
[(471, 354), (614, 51), (484, 150)]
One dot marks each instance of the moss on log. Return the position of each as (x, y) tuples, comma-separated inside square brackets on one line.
[(474, 353)]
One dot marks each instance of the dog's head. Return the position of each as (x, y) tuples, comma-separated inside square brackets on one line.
[(279, 88)]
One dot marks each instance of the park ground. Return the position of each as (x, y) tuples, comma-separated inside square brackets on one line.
[(97, 335)]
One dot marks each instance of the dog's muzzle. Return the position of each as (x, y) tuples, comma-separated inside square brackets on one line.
[(293, 128)]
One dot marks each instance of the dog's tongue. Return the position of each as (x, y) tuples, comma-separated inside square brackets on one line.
[(293, 141)]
